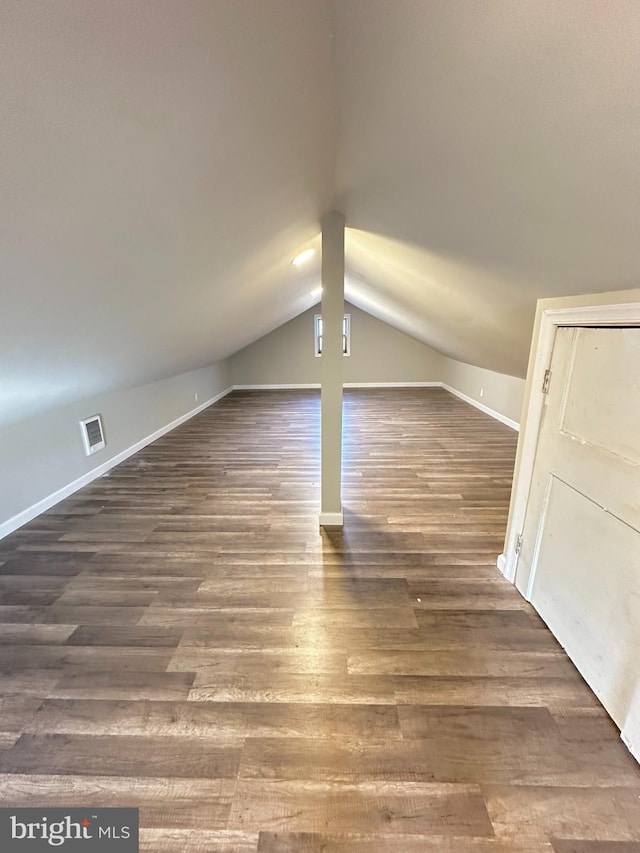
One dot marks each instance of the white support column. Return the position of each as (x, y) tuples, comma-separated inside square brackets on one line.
[(332, 367)]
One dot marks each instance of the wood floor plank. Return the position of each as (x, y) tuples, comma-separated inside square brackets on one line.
[(367, 807), (293, 687), (123, 684), (125, 635), (309, 842), (553, 693), (94, 658), (509, 746), (382, 617), (16, 709), (464, 662), (31, 634), (28, 682), (181, 636), (227, 720), (543, 812), (8, 739), (122, 755), (99, 614), (67, 565), (440, 637), (243, 636), (248, 661), (424, 760), (211, 617), (190, 804), (197, 841)]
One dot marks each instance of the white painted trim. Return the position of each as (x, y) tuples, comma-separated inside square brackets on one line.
[(51, 500), (631, 746), (303, 385), (501, 563), (621, 314), (331, 519), (538, 543), (292, 387), (630, 733), (497, 415), (392, 385)]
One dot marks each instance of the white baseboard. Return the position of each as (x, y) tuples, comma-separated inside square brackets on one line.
[(317, 385), (43, 505), (502, 563), (631, 736), (626, 739), (499, 417), (392, 385), (291, 387), (331, 519)]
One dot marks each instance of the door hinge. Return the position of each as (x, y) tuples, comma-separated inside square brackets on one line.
[(545, 382), (519, 544)]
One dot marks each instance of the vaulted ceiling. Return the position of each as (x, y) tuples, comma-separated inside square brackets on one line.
[(163, 160)]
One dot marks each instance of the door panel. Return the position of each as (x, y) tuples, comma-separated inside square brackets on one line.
[(601, 406), (580, 556), (587, 588)]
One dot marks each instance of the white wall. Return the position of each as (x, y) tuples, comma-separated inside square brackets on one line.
[(379, 353), (44, 454), (496, 391)]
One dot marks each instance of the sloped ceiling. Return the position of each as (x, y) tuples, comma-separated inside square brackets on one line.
[(488, 156), (163, 161)]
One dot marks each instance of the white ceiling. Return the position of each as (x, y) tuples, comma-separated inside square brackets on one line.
[(163, 161)]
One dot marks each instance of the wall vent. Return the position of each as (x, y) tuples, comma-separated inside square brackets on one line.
[(92, 434)]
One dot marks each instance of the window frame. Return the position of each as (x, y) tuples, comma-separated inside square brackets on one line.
[(318, 335)]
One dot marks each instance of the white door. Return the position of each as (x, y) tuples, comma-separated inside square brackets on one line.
[(580, 555)]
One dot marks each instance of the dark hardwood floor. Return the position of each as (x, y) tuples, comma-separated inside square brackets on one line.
[(179, 636)]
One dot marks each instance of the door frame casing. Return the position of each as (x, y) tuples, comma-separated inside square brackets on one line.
[(620, 308)]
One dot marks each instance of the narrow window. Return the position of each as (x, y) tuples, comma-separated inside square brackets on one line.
[(346, 334)]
